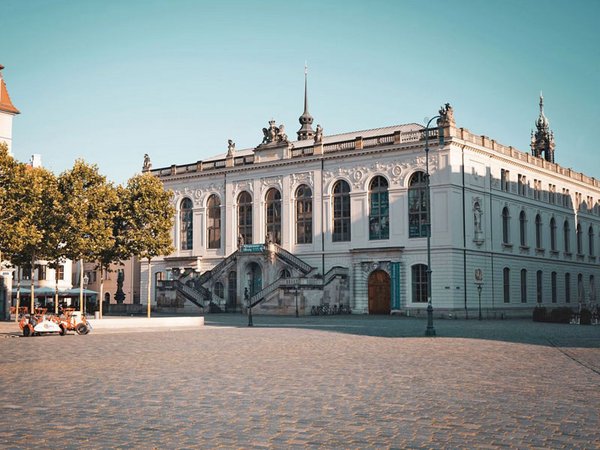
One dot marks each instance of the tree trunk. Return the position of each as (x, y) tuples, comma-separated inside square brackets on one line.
[(32, 304), (81, 285), (149, 287)]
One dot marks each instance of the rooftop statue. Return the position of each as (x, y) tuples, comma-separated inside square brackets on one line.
[(147, 164), (230, 148), (274, 134)]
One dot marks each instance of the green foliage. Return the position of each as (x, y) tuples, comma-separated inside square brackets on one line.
[(146, 217), (89, 206)]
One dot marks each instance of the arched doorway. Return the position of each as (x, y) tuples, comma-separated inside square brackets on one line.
[(379, 292), (254, 274)]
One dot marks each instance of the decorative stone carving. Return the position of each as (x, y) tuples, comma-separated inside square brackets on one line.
[(147, 164), (446, 116), (319, 134), (274, 134), (478, 236), (272, 182), (301, 178), (245, 185)]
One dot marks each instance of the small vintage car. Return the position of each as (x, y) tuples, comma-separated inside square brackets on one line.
[(41, 323)]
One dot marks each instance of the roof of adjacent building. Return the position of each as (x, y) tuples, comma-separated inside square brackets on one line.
[(5, 102)]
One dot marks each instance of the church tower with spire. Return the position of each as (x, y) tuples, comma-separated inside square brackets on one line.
[(305, 132), (7, 112), (542, 141)]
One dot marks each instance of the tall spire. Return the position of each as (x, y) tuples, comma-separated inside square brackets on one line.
[(305, 132), (542, 141)]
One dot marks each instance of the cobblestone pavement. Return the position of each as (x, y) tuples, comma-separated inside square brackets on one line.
[(340, 382)]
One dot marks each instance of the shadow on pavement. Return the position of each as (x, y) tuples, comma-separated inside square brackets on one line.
[(512, 330)]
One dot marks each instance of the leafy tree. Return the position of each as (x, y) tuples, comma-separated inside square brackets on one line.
[(147, 220), (89, 204)]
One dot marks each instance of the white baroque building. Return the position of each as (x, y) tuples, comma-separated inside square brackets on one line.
[(343, 219)]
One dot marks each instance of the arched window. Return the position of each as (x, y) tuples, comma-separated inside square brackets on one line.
[(506, 283), (567, 235), (245, 217), (538, 232), (419, 283), (285, 273), (592, 288), (523, 285), (379, 215), (219, 290), (186, 224), (568, 287), (538, 287), (505, 226), (213, 207), (273, 215), (523, 228), (553, 234), (579, 239), (580, 290), (418, 211), (553, 282), (341, 211), (304, 215), (591, 240)]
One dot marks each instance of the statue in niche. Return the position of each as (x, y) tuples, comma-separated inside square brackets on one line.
[(477, 225), (319, 133), (230, 148), (147, 164)]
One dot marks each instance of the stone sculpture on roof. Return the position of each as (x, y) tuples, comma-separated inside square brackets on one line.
[(274, 134), (230, 148), (147, 164)]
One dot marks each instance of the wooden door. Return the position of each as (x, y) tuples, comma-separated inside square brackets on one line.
[(379, 292)]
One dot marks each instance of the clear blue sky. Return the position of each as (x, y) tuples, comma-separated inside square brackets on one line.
[(108, 81)]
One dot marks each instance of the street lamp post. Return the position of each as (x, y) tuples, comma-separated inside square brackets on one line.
[(296, 288), (247, 297), (430, 330), (86, 279), (479, 288)]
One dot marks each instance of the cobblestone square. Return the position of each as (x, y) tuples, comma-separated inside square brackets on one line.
[(330, 382)]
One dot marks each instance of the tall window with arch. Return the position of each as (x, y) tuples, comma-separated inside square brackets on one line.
[(244, 210), (567, 236), (304, 215), (418, 210), (379, 211), (592, 289), (523, 228), (186, 224), (341, 211), (591, 241), (567, 287), (553, 283), (273, 215), (419, 283), (213, 207), (538, 232), (580, 289), (538, 287), (579, 239), (505, 226), (506, 284), (523, 285), (553, 234)]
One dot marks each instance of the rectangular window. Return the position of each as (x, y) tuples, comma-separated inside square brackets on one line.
[(522, 184), (505, 180), (61, 272), (568, 287), (523, 286), (506, 283), (419, 283), (539, 286), (41, 272), (537, 193), (552, 193), (553, 287)]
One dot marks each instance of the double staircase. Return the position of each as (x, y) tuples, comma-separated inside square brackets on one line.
[(191, 285)]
